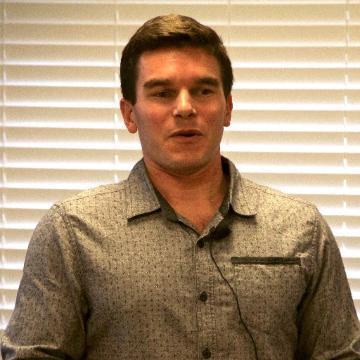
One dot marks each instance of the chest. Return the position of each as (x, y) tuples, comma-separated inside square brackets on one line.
[(150, 277)]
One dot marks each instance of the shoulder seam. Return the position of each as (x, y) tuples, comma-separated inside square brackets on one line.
[(59, 209), (103, 190), (275, 192)]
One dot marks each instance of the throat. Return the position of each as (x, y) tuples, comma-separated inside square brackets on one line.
[(198, 205), (197, 196), (198, 215)]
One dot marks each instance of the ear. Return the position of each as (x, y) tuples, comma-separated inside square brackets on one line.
[(228, 111), (127, 111)]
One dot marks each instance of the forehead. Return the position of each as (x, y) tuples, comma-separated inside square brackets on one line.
[(177, 63)]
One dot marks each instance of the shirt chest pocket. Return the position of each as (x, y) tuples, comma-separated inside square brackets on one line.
[(269, 289)]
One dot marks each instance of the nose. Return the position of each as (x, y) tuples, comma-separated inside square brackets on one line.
[(184, 106)]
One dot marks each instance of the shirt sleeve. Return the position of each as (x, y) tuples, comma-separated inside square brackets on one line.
[(48, 320), (327, 322)]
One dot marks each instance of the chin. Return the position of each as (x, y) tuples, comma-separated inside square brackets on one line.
[(187, 166)]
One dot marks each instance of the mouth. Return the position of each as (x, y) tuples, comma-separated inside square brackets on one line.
[(186, 133)]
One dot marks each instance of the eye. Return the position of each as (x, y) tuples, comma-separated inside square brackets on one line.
[(162, 94), (204, 91), (207, 91)]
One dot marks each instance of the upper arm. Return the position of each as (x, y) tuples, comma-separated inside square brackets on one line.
[(50, 308), (327, 321)]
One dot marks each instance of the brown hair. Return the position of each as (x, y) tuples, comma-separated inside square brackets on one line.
[(171, 31)]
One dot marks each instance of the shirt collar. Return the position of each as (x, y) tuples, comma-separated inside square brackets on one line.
[(242, 198), (140, 194), (143, 199)]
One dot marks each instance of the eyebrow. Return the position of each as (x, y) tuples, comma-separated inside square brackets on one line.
[(207, 80), (156, 82)]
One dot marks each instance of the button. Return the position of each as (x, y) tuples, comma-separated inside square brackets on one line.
[(206, 353), (200, 243), (203, 296)]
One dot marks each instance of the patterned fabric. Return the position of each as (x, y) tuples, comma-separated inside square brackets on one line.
[(114, 273)]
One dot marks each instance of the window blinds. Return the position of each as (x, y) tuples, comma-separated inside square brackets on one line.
[(296, 122)]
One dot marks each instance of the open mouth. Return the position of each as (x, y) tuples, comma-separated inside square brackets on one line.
[(187, 133)]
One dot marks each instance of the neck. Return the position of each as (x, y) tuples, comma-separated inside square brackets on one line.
[(196, 195)]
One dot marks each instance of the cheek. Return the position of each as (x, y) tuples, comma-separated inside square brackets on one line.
[(217, 119), (151, 115), (149, 128), (215, 108)]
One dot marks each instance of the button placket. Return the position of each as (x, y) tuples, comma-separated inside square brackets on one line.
[(205, 310)]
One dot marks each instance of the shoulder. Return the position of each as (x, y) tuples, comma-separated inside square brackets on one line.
[(283, 213), (107, 196), (124, 200), (103, 197), (268, 196), (250, 198), (90, 210), (102, 193), (268, 199), (110, 204)]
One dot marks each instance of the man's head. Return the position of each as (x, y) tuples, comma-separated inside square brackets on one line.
[(176, 79), (171, 31)]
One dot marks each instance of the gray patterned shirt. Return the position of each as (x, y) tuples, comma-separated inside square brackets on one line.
[(114, 273)]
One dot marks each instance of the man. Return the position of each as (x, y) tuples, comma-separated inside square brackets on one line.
[(185, 259)]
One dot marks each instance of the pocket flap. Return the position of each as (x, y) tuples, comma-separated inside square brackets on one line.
[(272, 260)]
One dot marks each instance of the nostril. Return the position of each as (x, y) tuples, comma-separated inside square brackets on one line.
[(184, 112)]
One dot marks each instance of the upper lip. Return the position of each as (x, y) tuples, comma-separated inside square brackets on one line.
[(186, 132)]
